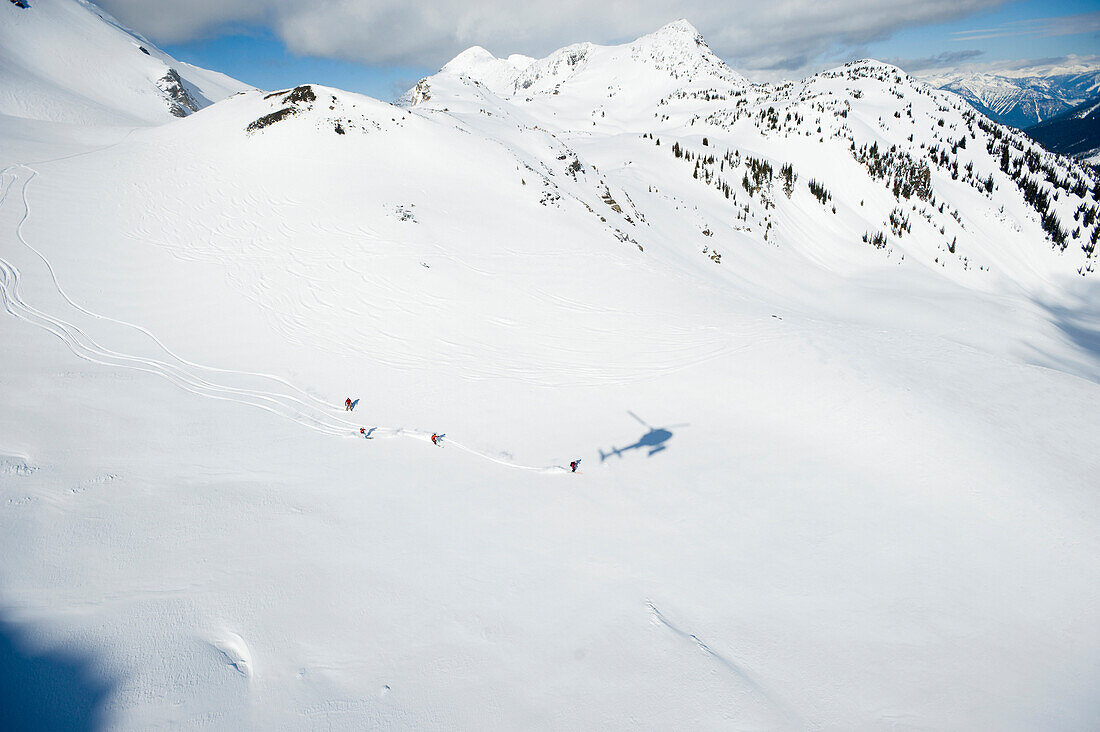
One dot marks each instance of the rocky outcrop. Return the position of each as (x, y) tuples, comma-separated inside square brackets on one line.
[(180, 101)]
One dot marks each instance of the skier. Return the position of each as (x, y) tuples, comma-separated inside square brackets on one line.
[(573, 465), (435, 439), (362, 430), (347, 404)]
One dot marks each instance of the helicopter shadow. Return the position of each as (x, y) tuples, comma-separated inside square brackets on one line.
[(652, 442)]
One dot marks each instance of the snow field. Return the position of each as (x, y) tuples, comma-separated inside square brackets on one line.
[(875, 508)]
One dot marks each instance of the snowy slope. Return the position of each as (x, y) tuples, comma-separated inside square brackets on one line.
[(856, 130), (823, 484), (69, 61)]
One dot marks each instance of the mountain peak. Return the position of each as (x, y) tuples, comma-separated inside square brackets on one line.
[(678, 33), (472, 55), (675, 54), (681, 26), (873, 64), (678, 48)]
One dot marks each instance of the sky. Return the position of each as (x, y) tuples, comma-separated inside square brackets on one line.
[(381, 47)]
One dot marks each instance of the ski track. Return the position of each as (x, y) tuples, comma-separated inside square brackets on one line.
[(293, 403), (739, 673)]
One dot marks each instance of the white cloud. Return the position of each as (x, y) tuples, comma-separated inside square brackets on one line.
[(781, 35), (952, 59), (1012, 68), (1064, 25)]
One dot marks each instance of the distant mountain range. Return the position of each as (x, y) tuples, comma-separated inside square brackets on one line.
[(1075, 132), (1022, 99)]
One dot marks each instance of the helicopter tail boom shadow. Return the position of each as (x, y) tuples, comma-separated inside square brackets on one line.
[(653, 441)]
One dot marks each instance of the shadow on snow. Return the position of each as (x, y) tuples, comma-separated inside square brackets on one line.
[(1081, 326), (652, 442), (47, 689)]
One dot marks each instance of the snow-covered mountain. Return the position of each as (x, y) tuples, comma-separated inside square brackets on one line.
[(852, 130), (69, 61), (1074, 132), (1022, 99), (826, 351), (674, 57)]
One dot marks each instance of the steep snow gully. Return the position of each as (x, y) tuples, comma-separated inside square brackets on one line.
[(263, 391)]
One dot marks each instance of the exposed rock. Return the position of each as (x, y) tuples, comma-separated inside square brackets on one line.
[(611, 201), (180, 101), (420, 93), (270, 119), (300, 94)]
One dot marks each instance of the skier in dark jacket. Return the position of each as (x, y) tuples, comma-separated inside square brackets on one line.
[(573, 465), (347, 404)]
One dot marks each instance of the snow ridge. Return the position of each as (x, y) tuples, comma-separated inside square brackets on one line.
[(676, 51), (70, 61)]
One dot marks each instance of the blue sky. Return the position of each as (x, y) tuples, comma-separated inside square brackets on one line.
[(1012, 34), (383, 58), (257, 57)]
